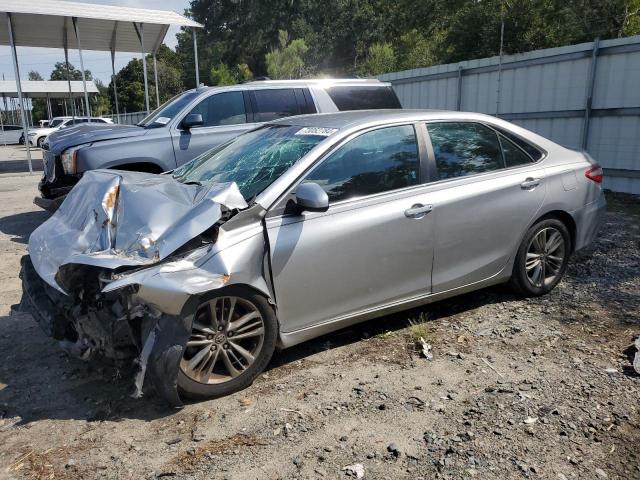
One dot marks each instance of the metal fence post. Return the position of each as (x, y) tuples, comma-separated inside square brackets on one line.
[(459, 97), (590, 88)]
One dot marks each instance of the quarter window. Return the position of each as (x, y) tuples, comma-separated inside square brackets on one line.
[(464, 149), (225, 108), (513, 155), (377, 161)]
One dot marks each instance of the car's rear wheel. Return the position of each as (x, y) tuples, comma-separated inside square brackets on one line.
[(542, 258), (232, 340)]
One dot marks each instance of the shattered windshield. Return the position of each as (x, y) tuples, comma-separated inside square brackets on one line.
[(163, 114), (253, 160)]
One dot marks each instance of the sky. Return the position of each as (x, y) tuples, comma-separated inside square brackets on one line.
[(42, 60)]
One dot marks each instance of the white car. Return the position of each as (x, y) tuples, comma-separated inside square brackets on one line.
[(37, 135)]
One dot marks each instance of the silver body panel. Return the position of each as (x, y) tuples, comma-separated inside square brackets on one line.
[(362, 257)]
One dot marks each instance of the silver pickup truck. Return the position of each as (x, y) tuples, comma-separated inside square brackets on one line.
[(192, 123)]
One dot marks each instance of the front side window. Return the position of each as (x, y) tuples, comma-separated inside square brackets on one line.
[(464, 149), (225, 108), (253, 160), (377, 161), (275, 103)]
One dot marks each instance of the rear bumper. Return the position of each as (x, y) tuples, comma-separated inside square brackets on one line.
[(589, 220)]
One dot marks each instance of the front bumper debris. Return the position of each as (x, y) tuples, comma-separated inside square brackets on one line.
[(112, 328)]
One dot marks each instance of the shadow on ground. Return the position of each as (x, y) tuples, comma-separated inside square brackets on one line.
[(20, 225)]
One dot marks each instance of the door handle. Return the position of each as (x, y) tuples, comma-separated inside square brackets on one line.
[(530, 183), (418, 210)]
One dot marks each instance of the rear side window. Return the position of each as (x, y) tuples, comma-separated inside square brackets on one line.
[(377, 161), (273, 103), (464, 149), (513, 155), (225, 108), (532, 151), (363, 97)]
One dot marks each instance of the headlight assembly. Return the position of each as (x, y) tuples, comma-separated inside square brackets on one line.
[(68, 159)]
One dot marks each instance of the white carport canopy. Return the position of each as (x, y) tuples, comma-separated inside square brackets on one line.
[(46, 88), (61, 24)]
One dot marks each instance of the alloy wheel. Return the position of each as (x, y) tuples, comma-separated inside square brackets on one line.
[(226, 338), (545, 257)]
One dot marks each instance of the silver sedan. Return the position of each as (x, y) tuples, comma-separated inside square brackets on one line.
[(299, 228)]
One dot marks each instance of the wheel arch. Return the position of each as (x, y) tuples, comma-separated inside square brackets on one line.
[(566, 218)]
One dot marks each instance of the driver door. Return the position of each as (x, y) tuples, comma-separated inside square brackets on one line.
[(373, 246)]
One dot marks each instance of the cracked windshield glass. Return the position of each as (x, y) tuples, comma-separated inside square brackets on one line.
[(253, 160)]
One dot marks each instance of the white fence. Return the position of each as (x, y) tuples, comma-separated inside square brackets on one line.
[(584, 96)]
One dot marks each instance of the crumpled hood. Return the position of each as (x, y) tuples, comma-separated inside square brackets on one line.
[(64, 138), (115, 218)]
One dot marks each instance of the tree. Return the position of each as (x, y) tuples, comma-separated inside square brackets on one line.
[(381, 59), (221, 75), (340, 34), (287, 60), (130, 82), (60, 72), (38, 105)]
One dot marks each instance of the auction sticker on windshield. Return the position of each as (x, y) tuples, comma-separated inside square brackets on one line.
[(321, 131), (163, 120)]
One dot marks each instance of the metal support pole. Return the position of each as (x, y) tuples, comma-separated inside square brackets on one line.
[(65, 42), (498, 91), (590, 89), (84, 79), (4, 138), (155, 79), (459, 96), (140, 32), (113, 70), (16, 70), (195, 55)]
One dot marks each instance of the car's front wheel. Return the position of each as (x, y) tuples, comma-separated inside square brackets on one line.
[(41, 142), (232, 340), (542, 258)]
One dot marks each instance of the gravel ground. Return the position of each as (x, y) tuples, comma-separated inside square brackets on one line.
[(533, 388)]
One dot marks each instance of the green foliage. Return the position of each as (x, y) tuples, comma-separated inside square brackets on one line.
[(287, 60), (381, 58), (343, 37), (130, 82), (222, 75), (38, 105), (60, 72)]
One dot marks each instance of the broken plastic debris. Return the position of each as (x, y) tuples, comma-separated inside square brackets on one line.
[(530, 420), (636, 359), (355, 470), (426, 349)]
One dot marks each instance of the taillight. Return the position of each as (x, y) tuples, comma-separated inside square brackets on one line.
[(595, 173)]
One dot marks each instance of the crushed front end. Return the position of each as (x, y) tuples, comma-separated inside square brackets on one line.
[(117, 270)]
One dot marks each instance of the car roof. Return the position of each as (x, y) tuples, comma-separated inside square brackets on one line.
[(320, 82), (347, 119)]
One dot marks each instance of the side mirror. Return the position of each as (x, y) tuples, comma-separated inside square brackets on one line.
[(192, 120), (311, 197)]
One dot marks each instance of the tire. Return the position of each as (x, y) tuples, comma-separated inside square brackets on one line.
[(541, 274), (40, 142), (194, 383)]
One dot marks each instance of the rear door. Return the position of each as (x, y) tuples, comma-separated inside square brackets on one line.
[(374, 244), (270, 104), (486, 193), (225, 116)]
